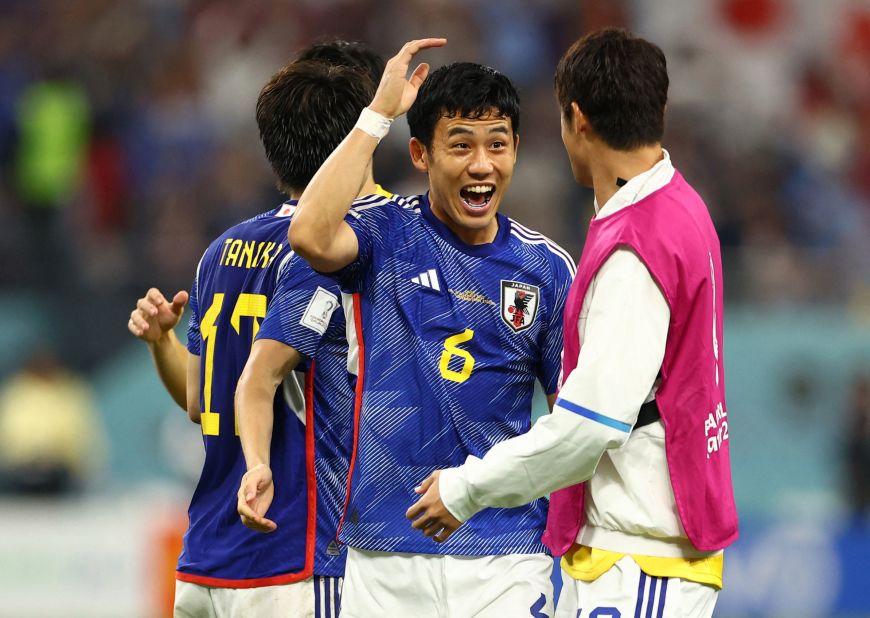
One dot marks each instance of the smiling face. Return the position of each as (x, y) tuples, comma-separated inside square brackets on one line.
[(470, 166)]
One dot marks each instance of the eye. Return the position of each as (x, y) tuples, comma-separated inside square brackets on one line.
[(460, 146), (498, 145)]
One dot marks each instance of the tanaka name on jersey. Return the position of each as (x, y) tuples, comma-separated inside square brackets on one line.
[(249, 253)]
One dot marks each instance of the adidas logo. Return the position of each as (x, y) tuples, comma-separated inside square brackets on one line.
[(428, 279)]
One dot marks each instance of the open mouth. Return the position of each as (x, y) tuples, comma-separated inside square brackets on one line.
[(477, 197)]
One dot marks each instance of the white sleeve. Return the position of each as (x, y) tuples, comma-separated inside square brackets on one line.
[(623, 347)]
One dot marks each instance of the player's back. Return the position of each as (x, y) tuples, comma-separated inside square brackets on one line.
[(236, 281)]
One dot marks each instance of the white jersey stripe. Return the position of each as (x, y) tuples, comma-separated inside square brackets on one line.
[(350, 333), (569, 263), (525, 233), (433, 278)]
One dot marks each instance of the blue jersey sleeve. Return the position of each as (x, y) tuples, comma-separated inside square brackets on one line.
[(302, 307), (371, 224), (194, 337), (551, 347)]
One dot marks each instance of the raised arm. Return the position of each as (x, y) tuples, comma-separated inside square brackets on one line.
[(318, 231), (267, 365), (153, 321)]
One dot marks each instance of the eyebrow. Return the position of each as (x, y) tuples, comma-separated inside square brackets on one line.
[(502, 128)]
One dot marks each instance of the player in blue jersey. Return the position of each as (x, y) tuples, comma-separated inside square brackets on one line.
[(250, 288), (457, 312)]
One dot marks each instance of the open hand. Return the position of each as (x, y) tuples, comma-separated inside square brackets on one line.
[(397, 92), (429, 515)]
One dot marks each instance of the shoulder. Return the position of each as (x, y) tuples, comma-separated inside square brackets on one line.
[(378, 206), (560, 259)]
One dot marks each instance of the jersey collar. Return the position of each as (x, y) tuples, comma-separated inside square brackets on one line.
[(500, 241)]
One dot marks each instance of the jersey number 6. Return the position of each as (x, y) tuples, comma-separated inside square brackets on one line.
[(451, 349)]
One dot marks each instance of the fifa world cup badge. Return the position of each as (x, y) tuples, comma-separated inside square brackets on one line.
[(519, 304)]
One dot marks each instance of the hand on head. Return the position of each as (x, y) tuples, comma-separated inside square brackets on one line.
[(397, 92)]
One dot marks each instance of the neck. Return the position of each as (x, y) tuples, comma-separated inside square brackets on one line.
[(609, 165), (470, 236)]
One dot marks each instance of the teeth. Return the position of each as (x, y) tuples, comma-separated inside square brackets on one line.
[(480, 189)]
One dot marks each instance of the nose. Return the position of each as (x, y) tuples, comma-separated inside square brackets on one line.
[(481, 164)]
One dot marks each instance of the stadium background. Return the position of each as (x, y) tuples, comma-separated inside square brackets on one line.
[(127, 141)]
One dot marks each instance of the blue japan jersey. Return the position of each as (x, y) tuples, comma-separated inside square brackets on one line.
[(250, 285), (451, 338)]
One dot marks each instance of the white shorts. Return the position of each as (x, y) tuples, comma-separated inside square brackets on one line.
[(627, 592), (316, 597), (397, 585)]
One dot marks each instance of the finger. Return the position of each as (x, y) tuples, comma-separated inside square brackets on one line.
[(417, 509), (146, 306), (259, 525), (252, 520), (421, 521), (423, 487), (179, 301), (133, 328), (138, 321), (412, 47), (444, 534), (246, 512), (419, 75), (155, 296), (433, 528)]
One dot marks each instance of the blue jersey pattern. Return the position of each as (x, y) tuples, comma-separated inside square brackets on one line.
[(249, 285), (452, 338)]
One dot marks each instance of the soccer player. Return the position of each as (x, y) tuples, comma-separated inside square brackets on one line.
[(458, 310), (225, 568), (641, 415)]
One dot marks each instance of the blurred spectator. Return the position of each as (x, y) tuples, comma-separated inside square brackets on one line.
[(858, 450), (52, 440), (127, 131)]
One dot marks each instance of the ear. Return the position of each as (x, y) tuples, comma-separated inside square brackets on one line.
[(419, 155), (516, 145), (577, 119)]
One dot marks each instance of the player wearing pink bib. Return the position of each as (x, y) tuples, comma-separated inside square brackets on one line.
[(641, 420)]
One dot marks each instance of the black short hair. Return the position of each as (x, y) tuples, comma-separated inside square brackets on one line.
[(347, 53), (620, 82), (304, 112), (462, 89)]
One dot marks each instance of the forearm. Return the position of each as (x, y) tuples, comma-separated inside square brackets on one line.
[(560, 450), (255, 415), (318, 232), (170, 360), (598, 404)]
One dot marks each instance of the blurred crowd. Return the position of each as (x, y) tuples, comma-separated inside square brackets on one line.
[(128, 141)]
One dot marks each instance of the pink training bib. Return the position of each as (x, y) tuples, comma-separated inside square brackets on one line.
[(671, 232)]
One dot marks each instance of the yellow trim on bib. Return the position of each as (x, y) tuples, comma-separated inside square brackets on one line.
[(588, 564), (379, 190)]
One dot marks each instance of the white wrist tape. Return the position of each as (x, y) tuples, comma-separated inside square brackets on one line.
[(373, 123)]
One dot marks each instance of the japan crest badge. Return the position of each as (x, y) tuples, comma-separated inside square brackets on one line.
[(519, 304)]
